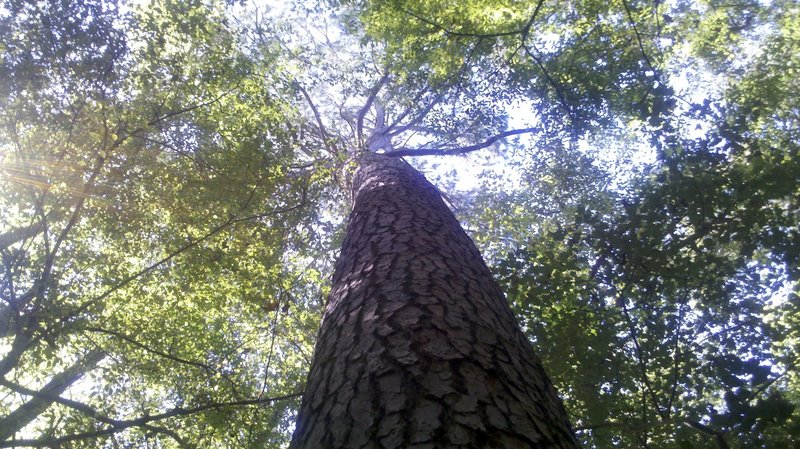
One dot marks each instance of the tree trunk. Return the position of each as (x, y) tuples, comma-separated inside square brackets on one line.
[(418, 347)]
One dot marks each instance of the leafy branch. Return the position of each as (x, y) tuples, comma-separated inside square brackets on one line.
[(132, 341), (27, 412), (116, 425), (522, 31), (719, 437), (232, 220)]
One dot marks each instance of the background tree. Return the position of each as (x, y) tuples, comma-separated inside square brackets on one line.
[(171, 205)]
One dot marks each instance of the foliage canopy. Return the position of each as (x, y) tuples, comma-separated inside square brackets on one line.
[(171, 202)]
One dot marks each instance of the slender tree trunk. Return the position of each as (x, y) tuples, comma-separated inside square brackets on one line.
[(418, 347)]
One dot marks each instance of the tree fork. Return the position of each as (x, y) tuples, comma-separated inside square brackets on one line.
[(418, 347)]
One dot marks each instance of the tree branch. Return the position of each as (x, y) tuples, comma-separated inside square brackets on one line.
[(15, 235), (391, 131), (146, 348), (367, 105), (639, 40), (170, 433), (527, 28), (676, 351), (559, 93), (189, 108), (326, 139), (231, 221), (28, 411), (459, 150), (523, 31), (640, 357), (75, 405), (719, 437), (144, 421), (22, 341), (395, 128)]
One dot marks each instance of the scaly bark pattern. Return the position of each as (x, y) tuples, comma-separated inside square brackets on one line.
[(418, 348)]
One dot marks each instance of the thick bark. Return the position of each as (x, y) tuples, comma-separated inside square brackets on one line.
[(418, 347)]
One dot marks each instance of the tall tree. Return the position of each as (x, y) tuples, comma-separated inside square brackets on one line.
[(418, 347), (174, 186)]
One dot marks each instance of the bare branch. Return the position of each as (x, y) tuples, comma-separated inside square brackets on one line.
[(417, 98), (421, 115), (442, 87)]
